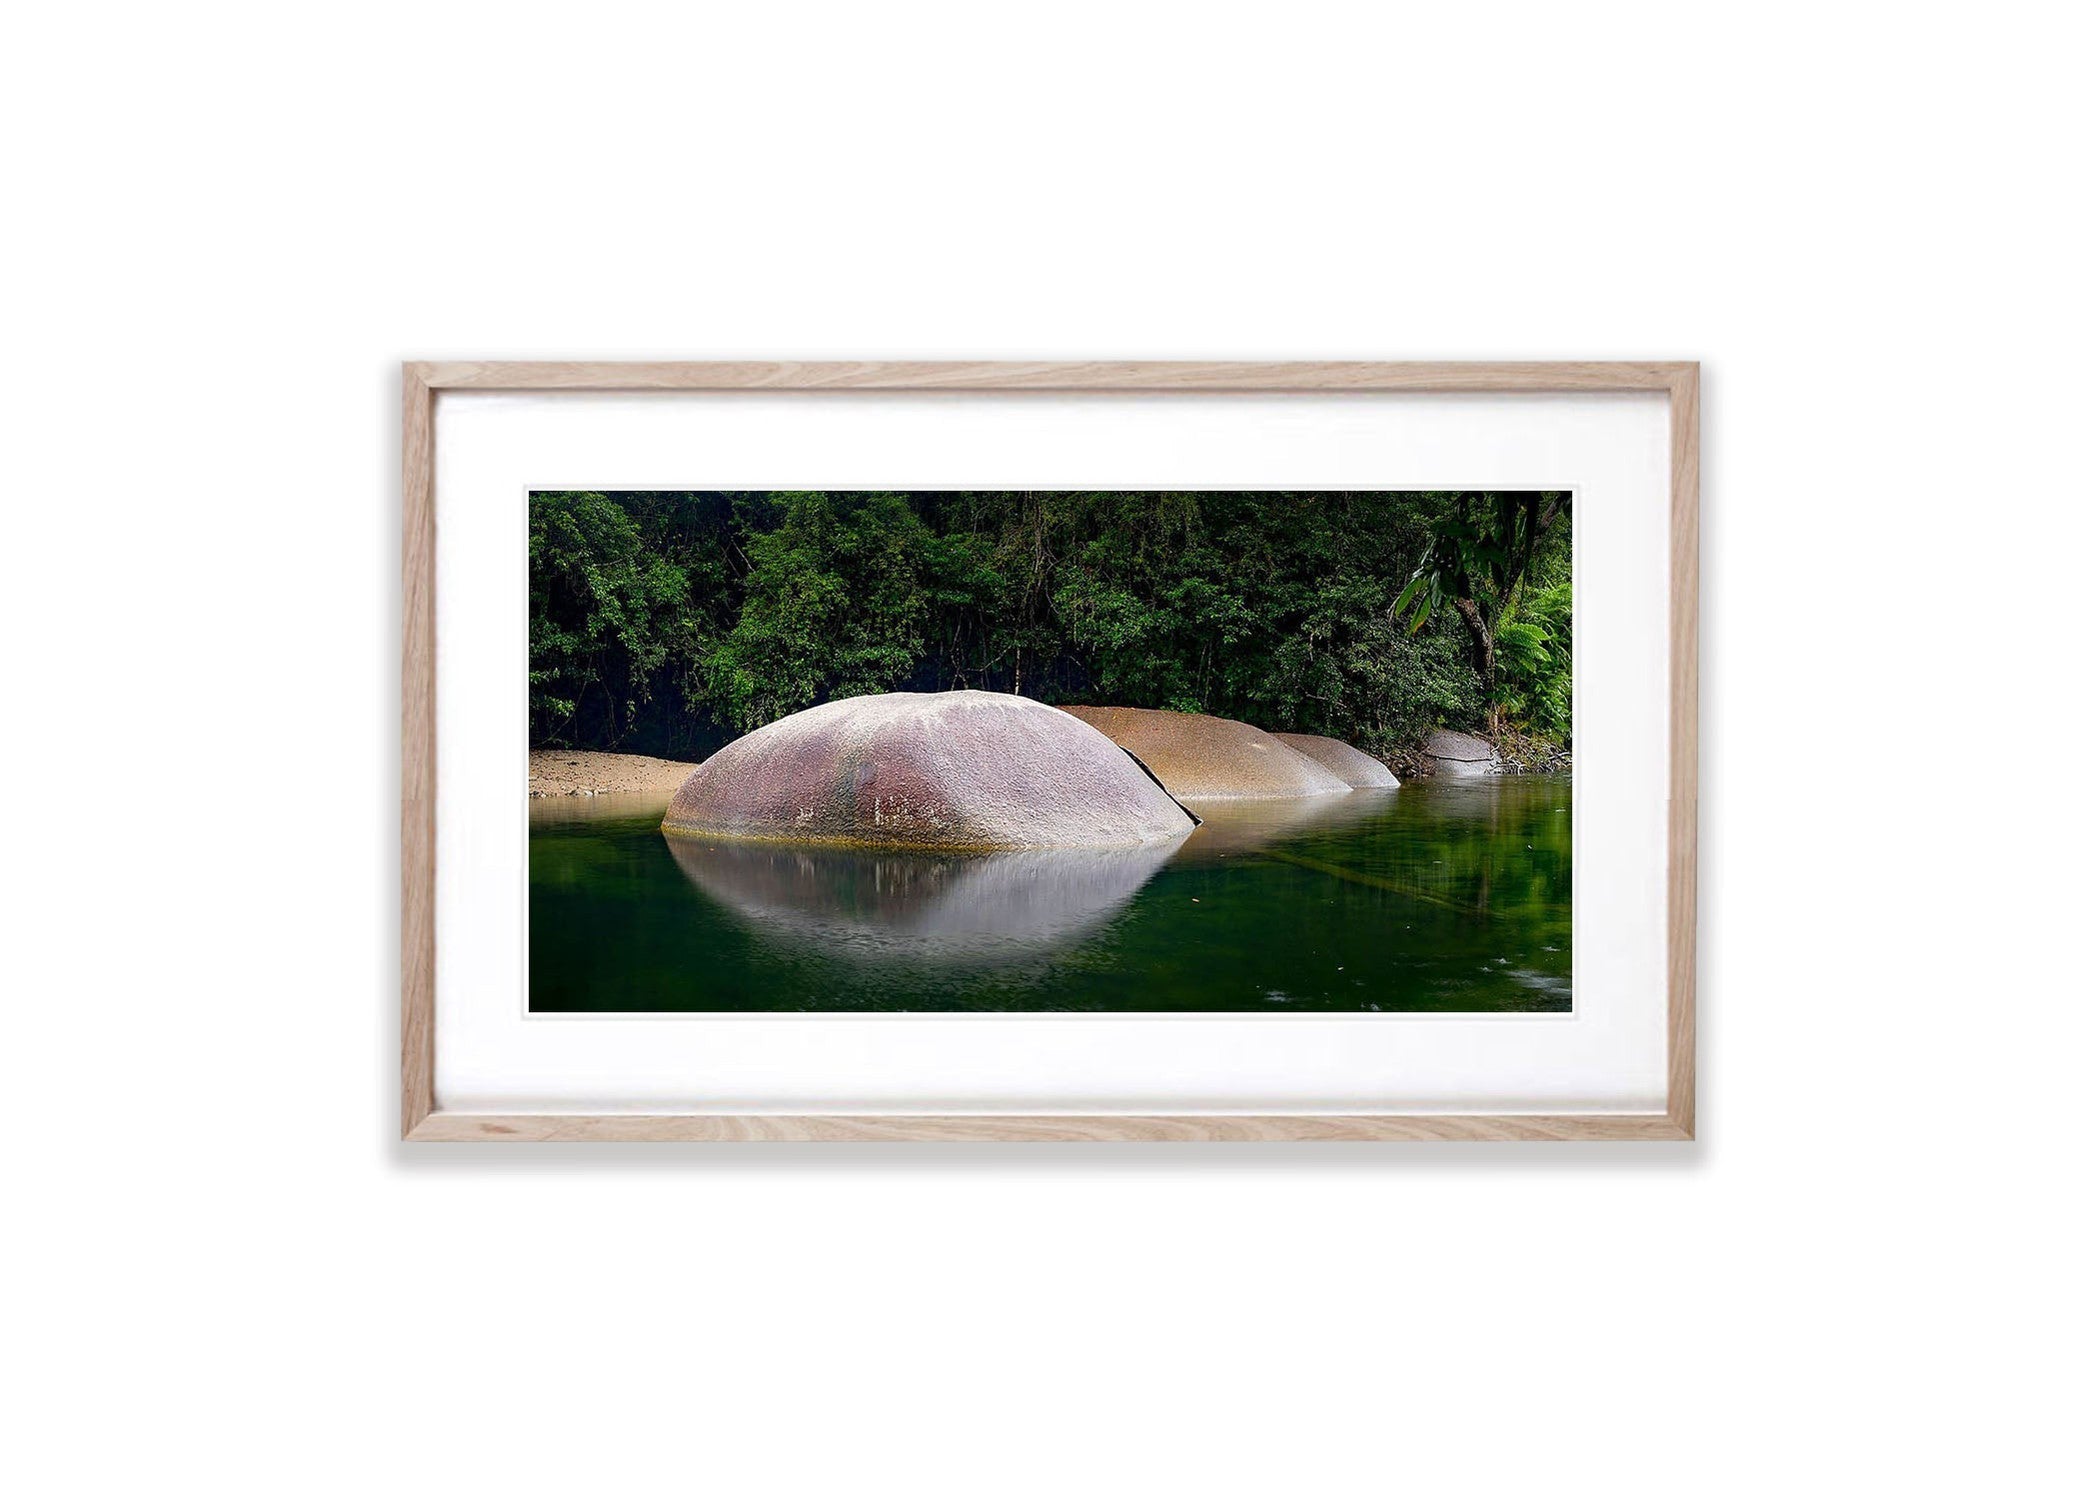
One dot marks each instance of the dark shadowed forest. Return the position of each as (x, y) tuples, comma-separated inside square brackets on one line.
[(668, 623)]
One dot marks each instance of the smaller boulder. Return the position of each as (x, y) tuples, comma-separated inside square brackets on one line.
[(1195, 756), (1344, 760), (1458, 754)]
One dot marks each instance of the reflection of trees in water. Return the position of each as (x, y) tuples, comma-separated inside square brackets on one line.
[(925, 907), (1338, 904), (1493, 845), (1481, 848)]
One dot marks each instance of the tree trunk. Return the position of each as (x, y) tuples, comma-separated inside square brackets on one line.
[(1482, 640)]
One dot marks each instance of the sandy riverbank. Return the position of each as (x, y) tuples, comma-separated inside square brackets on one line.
[(594, 773)]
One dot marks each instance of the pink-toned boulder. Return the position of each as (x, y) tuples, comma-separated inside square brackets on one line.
[(1344, 760), (1197, 756), (947, 771)]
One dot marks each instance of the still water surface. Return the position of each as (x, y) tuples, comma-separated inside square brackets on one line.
[(1442, 895)]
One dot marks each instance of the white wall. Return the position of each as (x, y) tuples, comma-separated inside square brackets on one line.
[(229, 223)]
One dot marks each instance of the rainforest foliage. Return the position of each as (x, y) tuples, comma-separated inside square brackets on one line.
[(669, 623)]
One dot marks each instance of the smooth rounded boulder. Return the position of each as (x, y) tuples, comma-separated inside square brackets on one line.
[(947, 771), (1458, 754), (1197, 756), (1344, 760)]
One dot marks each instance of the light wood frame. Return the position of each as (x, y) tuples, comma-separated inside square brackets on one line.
[(420, 385)]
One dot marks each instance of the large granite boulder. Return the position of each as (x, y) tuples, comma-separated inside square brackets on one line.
[(1197, 756), (1462, 754), (1344, 760), (946, 771)]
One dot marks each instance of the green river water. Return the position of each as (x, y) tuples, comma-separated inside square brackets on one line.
[(1440, 896)]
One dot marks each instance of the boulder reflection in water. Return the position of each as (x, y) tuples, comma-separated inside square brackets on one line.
[(883, 905), (1234, 827)]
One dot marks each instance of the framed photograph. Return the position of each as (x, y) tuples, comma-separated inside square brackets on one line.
[(1138, 751)]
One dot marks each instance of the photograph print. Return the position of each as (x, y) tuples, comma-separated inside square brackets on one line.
[(859, 752)]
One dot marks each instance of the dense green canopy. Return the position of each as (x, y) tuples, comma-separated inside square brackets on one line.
[(669, 623)]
